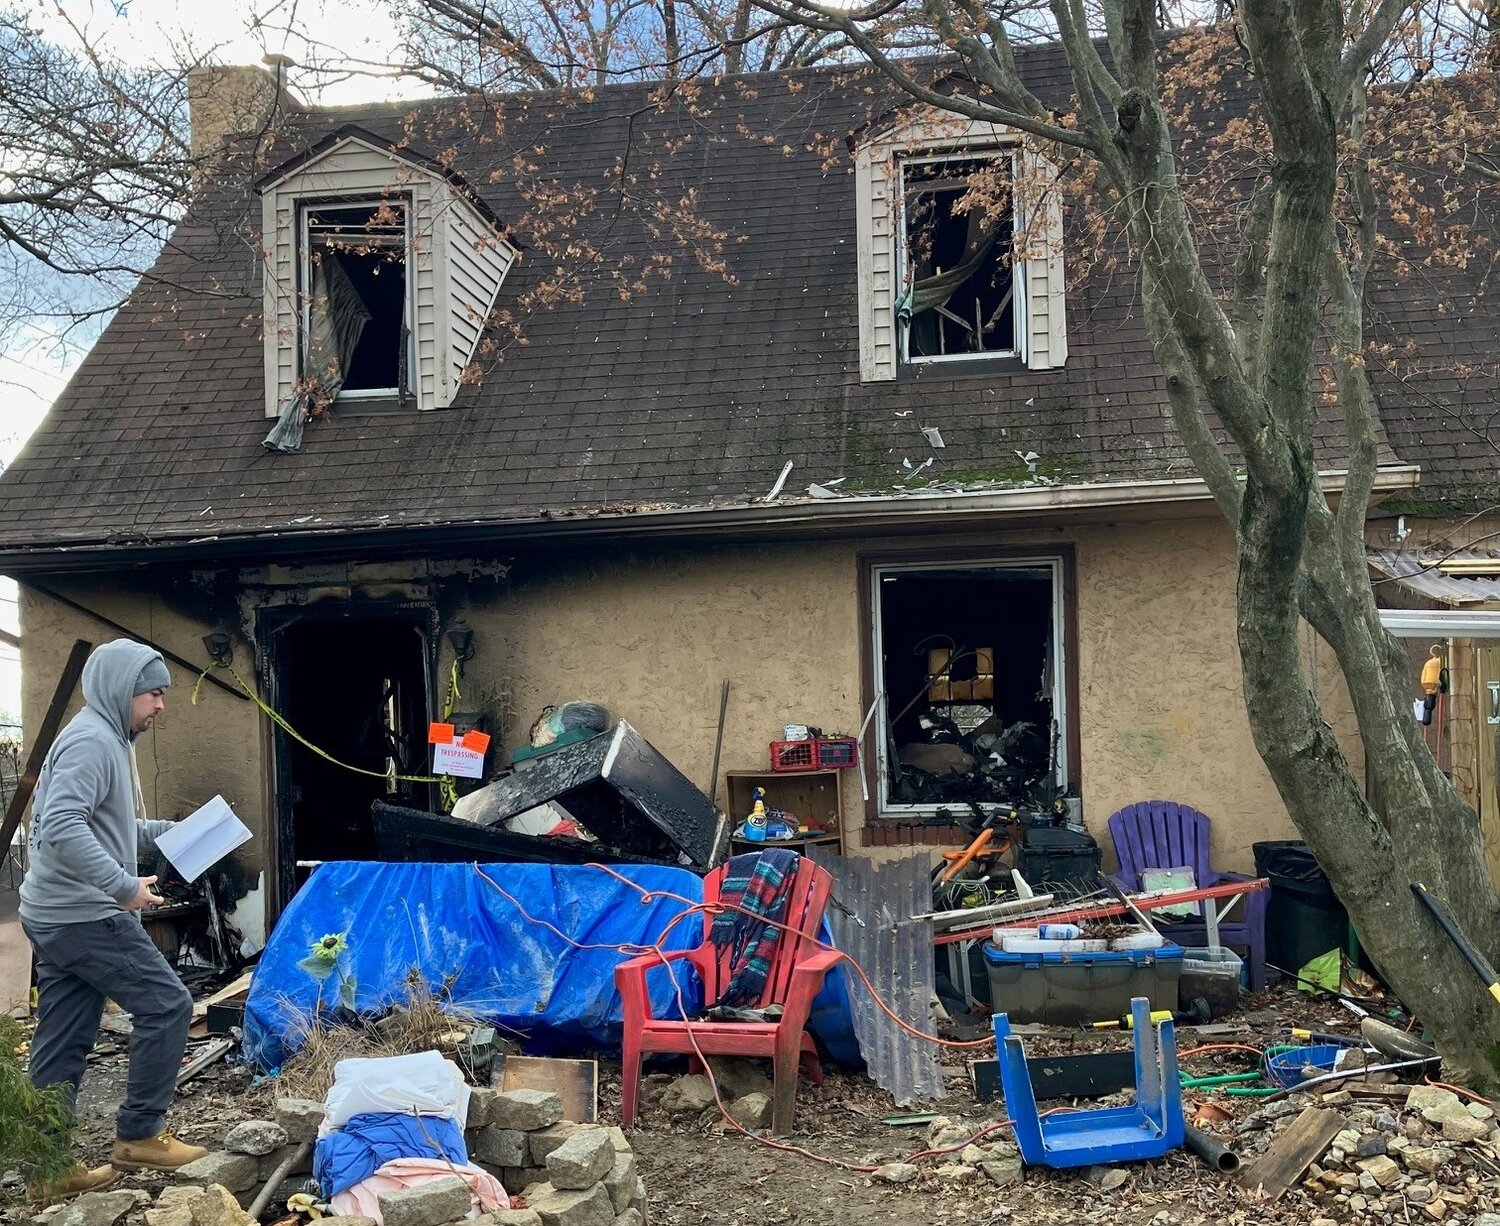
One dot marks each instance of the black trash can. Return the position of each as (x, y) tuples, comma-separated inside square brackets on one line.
[(1304, 917)]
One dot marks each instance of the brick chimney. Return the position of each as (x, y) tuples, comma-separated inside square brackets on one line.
[(225, 101)]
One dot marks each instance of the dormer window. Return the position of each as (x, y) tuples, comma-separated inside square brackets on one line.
[(382, 273), (357, 336), (962, 294), (960, 250)]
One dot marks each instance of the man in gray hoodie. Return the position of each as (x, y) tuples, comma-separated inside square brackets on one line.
[(80, 905)]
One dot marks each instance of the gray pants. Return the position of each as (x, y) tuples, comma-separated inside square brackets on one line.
[(77, 966)]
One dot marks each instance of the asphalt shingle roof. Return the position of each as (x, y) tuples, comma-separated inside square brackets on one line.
[(697, 389)]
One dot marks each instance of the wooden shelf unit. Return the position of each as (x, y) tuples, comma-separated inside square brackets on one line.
[(816, 796)]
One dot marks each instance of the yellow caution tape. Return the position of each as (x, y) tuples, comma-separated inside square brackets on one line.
[(277, 719), (447, 789)]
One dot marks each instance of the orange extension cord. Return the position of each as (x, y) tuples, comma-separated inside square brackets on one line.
[(718, 908)]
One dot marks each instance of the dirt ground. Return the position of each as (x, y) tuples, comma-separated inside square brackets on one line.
[(697, 1173)]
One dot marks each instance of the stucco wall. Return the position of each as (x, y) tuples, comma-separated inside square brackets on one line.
[(194, 751), (653, 632)]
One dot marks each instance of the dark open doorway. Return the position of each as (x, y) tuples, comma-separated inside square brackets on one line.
[(354, 682)]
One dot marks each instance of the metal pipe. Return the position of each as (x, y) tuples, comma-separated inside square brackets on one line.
[(1215, 1155), (713, 774), (1354, 1072)]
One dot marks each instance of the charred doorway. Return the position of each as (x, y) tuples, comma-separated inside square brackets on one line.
[(970, 658), (356, 684)]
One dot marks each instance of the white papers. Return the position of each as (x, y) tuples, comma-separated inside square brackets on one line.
[(203, 838), (455, 759)]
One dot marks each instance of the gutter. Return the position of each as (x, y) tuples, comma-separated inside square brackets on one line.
[(850, 515), (1441, 623)]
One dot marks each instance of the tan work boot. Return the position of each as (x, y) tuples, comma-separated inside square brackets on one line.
[(163, 1152), (77, 1178)]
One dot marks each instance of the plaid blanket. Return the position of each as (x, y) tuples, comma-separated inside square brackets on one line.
[(761, 883)]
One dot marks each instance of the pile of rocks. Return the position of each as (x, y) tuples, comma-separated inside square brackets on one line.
[(560, 1173), (1418, 1151), (567, 1174), (253, 1151), (995, 1158), (179, 1205), (743, 1088)]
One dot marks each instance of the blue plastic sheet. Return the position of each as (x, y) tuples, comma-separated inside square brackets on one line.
[(497, 963)]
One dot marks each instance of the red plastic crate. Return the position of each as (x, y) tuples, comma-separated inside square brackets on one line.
[(794, 755), (837, 753), (834, 753)]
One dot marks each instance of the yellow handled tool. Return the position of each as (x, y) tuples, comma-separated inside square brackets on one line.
[(1158, 1016)]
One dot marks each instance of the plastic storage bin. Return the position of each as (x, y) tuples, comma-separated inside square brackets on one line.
[(1290, 1066), (1214, 974), (1065, 989)]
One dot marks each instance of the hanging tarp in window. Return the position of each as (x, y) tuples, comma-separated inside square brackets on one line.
[(354, 319), (367, 243), (960, 276)]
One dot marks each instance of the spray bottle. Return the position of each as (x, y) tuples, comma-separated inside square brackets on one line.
[(754, 828)]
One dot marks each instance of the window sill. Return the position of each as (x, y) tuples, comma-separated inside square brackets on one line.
[(975, 368), (907, 832), (373, 406)]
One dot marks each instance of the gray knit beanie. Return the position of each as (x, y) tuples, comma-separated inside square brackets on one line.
[(153, 677)]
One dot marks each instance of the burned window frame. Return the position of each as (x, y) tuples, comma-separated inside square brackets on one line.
[(1008, 154), (1065, 687), (402, 395)]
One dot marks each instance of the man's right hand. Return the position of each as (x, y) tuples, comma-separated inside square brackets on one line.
[(144, 896)]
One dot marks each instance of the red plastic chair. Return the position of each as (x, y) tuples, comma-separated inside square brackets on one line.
[(796, 976)]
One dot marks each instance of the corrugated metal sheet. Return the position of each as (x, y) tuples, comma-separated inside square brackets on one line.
[(1418, 572), (899, 961)]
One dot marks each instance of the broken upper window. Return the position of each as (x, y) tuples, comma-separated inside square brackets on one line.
[(961, 292), (381, 269), (356, 331), (960, 228)]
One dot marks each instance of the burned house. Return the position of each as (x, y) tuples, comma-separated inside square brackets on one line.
[(806, 421)]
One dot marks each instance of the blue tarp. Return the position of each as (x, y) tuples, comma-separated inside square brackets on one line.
[(476, 948)]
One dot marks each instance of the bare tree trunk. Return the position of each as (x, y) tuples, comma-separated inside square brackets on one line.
[(1253, 364), (670, 44), (734, 53)]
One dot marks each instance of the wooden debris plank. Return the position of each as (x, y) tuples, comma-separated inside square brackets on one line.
[(46, 735), (216, 1050), (1290, 1154), (242, 984), (576, 1082), (1369, 1089)]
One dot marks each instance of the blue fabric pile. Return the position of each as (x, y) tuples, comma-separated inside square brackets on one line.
[(353, 1153)]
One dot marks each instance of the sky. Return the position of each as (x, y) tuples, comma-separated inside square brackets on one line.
[(162, 32)]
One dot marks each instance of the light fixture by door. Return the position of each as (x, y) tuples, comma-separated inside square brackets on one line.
[(220, 647), (461, 639)]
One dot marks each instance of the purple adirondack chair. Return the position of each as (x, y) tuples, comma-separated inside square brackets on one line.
[(1165, 834)]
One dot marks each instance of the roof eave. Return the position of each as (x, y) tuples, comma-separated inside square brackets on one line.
[(917, 511)]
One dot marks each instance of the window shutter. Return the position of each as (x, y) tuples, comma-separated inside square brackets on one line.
[(876, 221), (474, 265), (1045, 341)]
